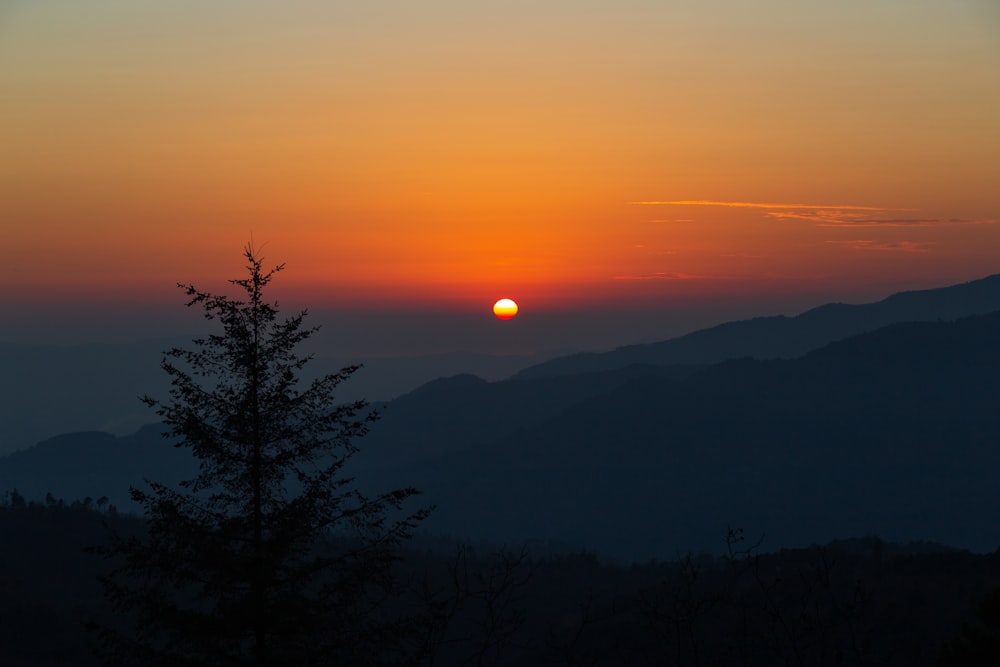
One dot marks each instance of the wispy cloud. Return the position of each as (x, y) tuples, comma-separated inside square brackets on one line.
[(885, 246), (841, 218), (659, 275), (751, 204), (742, 255), (829, 215)]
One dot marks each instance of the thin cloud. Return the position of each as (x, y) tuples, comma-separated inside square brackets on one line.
[(658, 253), (828, 215), (884, 246), (898, 222), (659, 275), (751, 204), (836, 218)]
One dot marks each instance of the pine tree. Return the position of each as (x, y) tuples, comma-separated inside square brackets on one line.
[(270, 555)]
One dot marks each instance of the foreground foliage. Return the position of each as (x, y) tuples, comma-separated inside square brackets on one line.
[(858, 602)]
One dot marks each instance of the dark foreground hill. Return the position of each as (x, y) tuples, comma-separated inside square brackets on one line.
[(893, 432), (857, 602), (787, 337)]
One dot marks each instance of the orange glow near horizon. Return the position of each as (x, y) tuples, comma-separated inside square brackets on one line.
[(395, 156)]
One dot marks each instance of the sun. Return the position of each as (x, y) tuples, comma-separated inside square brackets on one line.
[(505, 309)]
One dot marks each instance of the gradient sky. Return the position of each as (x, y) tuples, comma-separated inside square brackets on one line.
[(441, 154)]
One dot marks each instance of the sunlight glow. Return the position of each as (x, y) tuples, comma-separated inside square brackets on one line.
[(505, 309)]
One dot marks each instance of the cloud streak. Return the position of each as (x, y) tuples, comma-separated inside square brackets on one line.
[(827, 215), (660, 275), (842, 218), (765, 205), (884, 246)]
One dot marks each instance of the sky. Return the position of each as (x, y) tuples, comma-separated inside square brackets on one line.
[(623, 170)]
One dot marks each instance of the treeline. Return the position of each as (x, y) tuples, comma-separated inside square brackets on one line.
[(857, 602), (50, 588)]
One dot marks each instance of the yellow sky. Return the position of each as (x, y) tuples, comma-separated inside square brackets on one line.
[(450, 152)]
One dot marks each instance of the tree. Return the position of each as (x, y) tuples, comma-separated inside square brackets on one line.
[(270, 555)]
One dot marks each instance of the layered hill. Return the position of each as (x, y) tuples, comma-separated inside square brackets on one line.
[(787, 337), (893, 432), (46, 390)]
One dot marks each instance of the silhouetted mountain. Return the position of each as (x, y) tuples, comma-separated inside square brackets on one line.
[(46, 390), (95, 464), (447, 414), (787, 337), (892, 432), (51, 389)]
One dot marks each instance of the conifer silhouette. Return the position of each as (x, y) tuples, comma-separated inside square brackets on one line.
[(270, 555)]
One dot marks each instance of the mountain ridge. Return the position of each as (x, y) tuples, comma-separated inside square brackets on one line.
[(819, 447), (891, 432), (779, 336)]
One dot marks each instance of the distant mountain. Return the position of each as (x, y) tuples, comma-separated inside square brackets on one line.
[(786, 337), (46, 390), (449, 414), (93, 463), (893, 432), (74, 466)]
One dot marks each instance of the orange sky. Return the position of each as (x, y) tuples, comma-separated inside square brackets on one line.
[(447, 153)]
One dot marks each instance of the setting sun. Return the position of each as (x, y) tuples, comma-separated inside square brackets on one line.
[(505, 309)]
